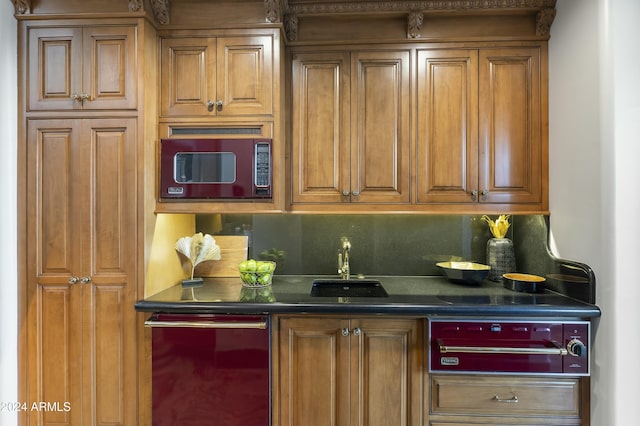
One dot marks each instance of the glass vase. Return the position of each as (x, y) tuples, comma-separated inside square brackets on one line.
[(501, 257)]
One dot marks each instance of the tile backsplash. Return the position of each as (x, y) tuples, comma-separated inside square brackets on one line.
[(381, 244)]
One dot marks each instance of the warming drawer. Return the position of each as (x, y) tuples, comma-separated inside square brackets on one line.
[(494, 347)]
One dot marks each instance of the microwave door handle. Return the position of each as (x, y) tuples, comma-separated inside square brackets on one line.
[(555, 350)]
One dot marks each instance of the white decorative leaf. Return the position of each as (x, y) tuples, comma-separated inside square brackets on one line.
[(208, 250)]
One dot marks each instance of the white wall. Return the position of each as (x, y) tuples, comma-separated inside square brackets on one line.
[(8, 241), (594, 127)]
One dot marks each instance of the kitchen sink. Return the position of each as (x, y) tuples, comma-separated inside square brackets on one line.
[(335, 287)]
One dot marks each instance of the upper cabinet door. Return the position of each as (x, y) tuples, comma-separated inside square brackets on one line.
[(320, 128), (110, 67), (380, 144), (447, 140), (82, 68), (205, 76), (188, 74), (511, 136), (245, 76), (55, 68)]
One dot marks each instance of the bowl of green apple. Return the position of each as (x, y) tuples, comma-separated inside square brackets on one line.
[(256, 273)]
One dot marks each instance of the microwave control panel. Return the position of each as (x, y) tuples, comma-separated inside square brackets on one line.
[(263, 165)]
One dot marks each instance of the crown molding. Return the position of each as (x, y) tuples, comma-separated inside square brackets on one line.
[(360, 7), (413, 10)]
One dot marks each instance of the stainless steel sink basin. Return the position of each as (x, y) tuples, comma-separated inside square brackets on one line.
[(329, 287)]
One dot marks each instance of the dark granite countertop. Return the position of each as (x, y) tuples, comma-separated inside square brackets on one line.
[(423, 296)]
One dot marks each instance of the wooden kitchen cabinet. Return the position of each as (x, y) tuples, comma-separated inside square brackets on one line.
[(348, 371), (480, 137), (507, 400), (217, 76), (83, 214), (350, 127), (81, 274), (82, 67)]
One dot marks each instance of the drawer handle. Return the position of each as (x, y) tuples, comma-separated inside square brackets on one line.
[(556, 350), (205, 324), (512, 400)]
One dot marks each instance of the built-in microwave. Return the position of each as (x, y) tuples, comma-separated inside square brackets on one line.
[(215, 168)]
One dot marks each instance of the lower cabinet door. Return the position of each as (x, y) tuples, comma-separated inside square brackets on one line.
[(348, 371), (82, 358)]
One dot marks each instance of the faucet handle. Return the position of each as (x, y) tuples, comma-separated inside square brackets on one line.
[(346, 244)]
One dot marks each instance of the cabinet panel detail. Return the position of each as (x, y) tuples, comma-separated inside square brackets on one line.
[(320, 127), (112, 177), (58, 360), (54, 60), (245, 77), (314, 366), (110, 381), (447, 126), (510, 125), (384, 374), (188, 75), (109, 78), (379, 127), (53, 149)]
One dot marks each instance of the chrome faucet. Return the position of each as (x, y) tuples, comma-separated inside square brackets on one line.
[(343, 259)]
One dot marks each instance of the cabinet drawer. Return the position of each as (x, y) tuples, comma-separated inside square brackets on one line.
[(504, 396)]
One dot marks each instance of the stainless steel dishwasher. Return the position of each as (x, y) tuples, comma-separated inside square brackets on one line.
[(210, 370)]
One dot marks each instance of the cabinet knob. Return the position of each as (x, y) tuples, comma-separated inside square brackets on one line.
[(474, 195), (345, 193), (357, 331), (74, 280), (218, 104), (85, 280), (80, 97), (483, 194), (345, 331), (355, 193)]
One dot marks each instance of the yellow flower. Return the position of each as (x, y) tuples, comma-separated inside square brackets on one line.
[(500, 227)]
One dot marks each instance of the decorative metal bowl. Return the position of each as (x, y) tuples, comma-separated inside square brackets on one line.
[(525, 283), (464, 272)]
